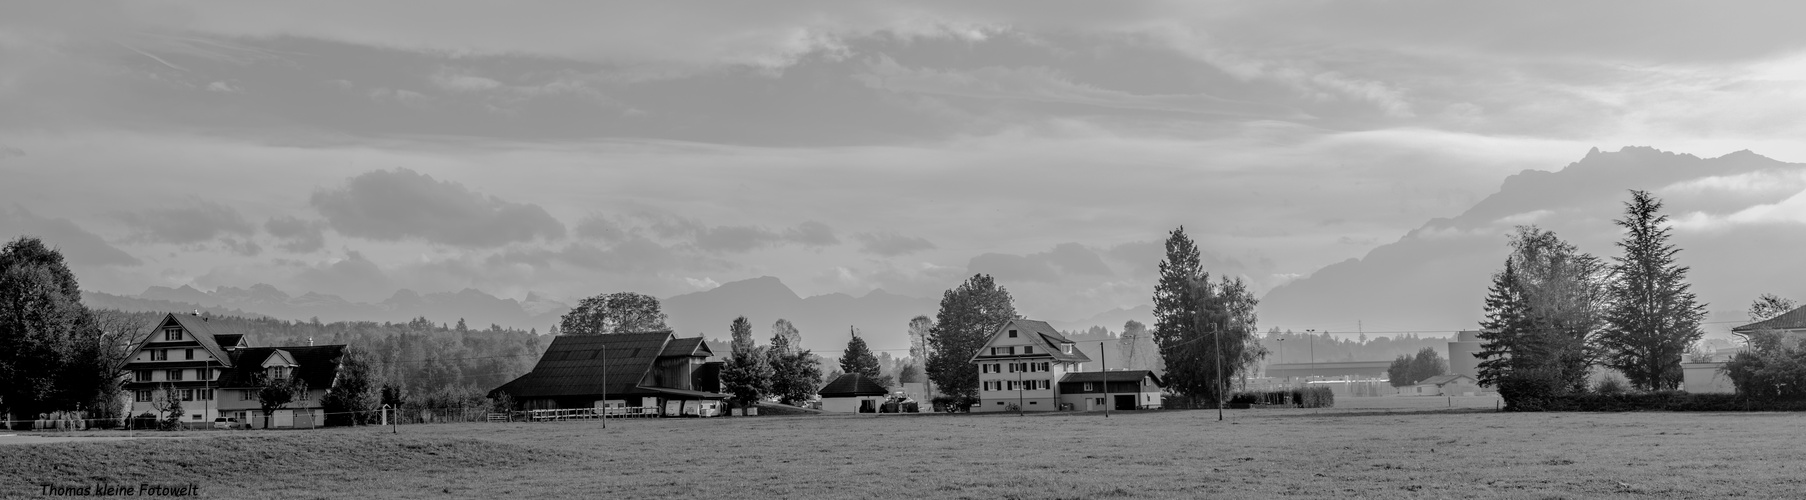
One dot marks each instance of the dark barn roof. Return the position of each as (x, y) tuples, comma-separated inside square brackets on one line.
[(317, 365), (574, 364), (1113, 376), (852, 385), (1790, 320)]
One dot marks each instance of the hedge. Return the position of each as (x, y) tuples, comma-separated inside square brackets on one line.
[(1654, 401), (1309, 397)]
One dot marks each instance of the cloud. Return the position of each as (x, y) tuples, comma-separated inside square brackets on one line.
[(599, 227), (1046, 85), (1065, 259), (198, 221), (302, 236), (246, 247), (890, 244), (811, 234), (352, 276), (78, 245), (715, 239), (401, 204)]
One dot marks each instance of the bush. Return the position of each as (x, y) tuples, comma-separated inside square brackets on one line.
[(1659, 401), (1610, 385), (1306, 397)]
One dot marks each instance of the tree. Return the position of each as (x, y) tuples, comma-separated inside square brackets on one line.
[(1542, 314), (794, 373), (1410, 370), (920, 327), (353, 398), (1653, 317), (858, 359), (968, 315), (621, 312), (1770, 305), (41, 321), (746, 375), (168, 403), (276, 392), (1203, 329)]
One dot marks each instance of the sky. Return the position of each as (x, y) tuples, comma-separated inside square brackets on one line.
[(577, 148)]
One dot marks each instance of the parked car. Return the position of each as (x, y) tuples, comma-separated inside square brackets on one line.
[(225, 423)]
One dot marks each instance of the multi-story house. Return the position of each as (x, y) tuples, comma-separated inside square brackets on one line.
[(1021, 364), (213, 375)]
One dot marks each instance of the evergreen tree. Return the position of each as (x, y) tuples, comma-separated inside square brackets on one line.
[(859, 359), (968, 315), (1203, 329), (1653, 318), (353, 398), (746, 374), (1542, 314)]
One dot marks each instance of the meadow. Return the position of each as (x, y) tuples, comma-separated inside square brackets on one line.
[(1371, 452)]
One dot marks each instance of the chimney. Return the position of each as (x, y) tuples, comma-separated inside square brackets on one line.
[(197, 312)]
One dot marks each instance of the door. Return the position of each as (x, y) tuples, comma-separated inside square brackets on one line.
[(1125, 401)]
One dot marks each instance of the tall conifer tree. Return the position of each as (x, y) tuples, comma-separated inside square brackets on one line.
[(1653, 317)]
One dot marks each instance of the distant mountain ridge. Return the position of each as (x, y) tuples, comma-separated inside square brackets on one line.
[(1434, 277), (476, 308)]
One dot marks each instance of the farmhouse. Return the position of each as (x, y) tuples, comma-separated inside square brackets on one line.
[(1443, 385), (215, 375), (653, 372), (852, 392), (1120, 390), (1018, 364)]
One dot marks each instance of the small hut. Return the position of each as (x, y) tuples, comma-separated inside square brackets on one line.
[(853, 393)]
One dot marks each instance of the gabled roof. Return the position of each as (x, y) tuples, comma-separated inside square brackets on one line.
[(230, 340), (1113, 376), (197, 327), (688, 346), (318, 365), (1443, 379), (1790, 320), (575, 365), (852, 385), (1040, 334)]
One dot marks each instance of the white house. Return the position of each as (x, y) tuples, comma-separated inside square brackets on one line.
[(1020, 365), (853, 393), (1444, 385)]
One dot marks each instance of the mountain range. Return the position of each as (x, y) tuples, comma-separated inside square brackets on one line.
[(1731, 217), (1434, 278)]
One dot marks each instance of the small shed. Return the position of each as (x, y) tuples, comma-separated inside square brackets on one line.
[(851, 393), (1444, 385)]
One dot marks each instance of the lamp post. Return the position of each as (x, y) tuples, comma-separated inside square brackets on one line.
[(1106, 364)]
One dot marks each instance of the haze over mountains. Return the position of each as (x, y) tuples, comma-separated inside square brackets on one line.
[(1736, 221)]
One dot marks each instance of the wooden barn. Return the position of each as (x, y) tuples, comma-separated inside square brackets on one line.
[(851, 393), (637, 373), (1121, 390)]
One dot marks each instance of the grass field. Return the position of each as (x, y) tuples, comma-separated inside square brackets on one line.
[(1342, 452)]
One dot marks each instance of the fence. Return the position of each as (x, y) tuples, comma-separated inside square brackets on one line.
[(591, 413)]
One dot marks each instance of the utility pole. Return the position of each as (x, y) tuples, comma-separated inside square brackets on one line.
[(1106, 372), (1019, 369), (603, 352), (1219, 341)]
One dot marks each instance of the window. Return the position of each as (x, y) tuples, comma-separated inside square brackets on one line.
[(142, 396), (1012, 334), (277, 372), (1045, 366), (196, 416), (172, 334), (203, 394), (1028, 349), (1100, 401), (160, 355), (1066, 348), (1012, 368), (1087, 387), (143, 376), (190, 354), (173, 375), (246, 395), (187, 394), (203, 374)]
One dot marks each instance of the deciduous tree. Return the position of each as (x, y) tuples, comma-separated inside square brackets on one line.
[(44, 365), (794, 373), (275, 393), (621, 312), (1542, 315), (354, 396), (1653, 317), (969, 313)]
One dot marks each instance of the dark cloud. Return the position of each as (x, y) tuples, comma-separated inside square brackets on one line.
[(1066, 259), (78, 245), (197, 222), (299, 235), (402, 204), (890, 244), (634, 256)]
